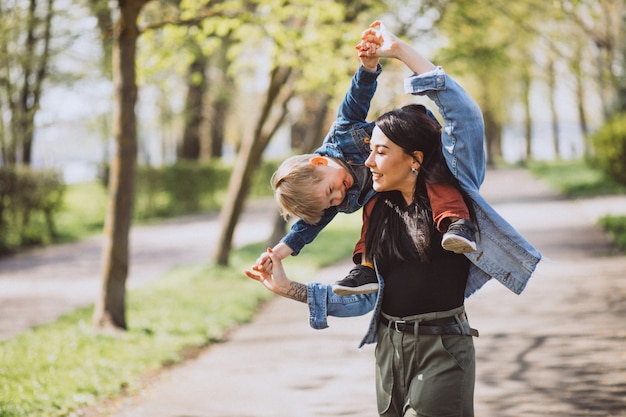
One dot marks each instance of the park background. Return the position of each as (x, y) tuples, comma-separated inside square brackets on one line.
[(109, 93)]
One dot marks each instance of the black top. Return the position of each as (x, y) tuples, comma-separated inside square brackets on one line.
[(416, 287)]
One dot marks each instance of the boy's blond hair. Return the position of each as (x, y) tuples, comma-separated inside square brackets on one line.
[(294, 190)]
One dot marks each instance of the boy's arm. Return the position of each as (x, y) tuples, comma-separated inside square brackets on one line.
[(302, 233), (356, 103)]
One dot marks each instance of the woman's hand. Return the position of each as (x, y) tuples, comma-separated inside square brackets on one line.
[(274, 278), (382, 43)]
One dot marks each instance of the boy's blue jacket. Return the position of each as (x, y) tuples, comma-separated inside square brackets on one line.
[(348, 141), (502, 252)]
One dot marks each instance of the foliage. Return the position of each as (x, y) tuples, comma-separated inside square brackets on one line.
[(26, 45), (55, 369), (616, 227), (609, 143), (575, 178), (189, 187), (29, 200), (82, 212)]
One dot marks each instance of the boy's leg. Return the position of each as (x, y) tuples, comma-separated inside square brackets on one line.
[(362, 278), (451, 215)]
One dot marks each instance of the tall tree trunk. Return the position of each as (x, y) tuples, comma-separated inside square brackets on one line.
[(552, 103), (34, 71), (526, 80), (223, 87), (194, 107), (279, 93), (110, 311)]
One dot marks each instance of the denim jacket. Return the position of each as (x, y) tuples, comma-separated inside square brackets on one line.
[(348, 141), (502, 252)]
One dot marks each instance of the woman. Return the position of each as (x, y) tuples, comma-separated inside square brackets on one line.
[(425, 356)]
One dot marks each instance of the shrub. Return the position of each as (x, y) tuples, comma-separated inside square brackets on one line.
[(28, 201), (609, 144), (190, 187)]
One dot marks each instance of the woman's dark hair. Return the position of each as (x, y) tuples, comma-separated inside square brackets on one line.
[(407, 229)]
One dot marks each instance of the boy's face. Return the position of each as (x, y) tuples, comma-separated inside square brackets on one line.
[(336, 181)]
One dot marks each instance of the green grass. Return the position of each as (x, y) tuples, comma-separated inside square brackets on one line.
[(575, 178), (55, 369), (83, 211)]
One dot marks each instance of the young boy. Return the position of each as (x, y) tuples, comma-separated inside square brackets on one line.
[(315, 187)]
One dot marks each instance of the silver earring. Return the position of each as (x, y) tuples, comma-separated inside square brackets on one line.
[(414, 171)]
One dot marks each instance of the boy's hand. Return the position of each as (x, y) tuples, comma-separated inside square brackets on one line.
[(263, 264), (275, 281), (264, 261), (381, 43), (366, 52), (371, 40)]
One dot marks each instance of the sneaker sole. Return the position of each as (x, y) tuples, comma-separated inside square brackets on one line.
[(458, 245), (363, 289)]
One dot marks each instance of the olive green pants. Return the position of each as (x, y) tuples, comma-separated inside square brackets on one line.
[(425, 375)]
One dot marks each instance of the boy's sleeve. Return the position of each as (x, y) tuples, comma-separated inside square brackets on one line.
[(302, 233), (356, 103)]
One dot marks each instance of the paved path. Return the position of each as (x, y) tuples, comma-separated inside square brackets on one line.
[(557, 350), (38, 286)]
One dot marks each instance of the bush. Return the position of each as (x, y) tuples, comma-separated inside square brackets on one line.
[(29, 200), (190, 187), (609, 144), (615, 226)]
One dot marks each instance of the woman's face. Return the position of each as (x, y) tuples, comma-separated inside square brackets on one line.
[(391, 166)]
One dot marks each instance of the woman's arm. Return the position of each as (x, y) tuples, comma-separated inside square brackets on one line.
[(462, 136), (390, 46), (277, 281)]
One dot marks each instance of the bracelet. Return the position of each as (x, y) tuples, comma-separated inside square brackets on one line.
[(368, 264)]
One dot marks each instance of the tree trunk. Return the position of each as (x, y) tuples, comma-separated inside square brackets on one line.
[(35, 70), (194, 108), (279, 93), (223, 92), (110, 311), (553, 112), (526, 81)]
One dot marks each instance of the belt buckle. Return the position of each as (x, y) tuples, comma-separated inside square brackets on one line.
[(401, 326)]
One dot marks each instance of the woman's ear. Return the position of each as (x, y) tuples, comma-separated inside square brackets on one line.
[(418, 156), (319, 160)]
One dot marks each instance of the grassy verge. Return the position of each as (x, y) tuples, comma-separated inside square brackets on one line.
[(56, 369), (83, 211), (576, 179)]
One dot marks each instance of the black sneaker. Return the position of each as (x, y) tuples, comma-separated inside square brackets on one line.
[(360, 280), (460, 237)]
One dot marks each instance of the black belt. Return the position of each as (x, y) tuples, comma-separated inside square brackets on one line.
[(444, 326)]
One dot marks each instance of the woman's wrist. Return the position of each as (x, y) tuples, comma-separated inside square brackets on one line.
[(296, 291)]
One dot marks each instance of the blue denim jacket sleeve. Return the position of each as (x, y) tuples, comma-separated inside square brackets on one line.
[(323, 303), (344, 141), (502, 252)]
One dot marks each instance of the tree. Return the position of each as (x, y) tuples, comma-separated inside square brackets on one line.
[(109, 313), (24, 66), (279, 93), (194, 106)]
